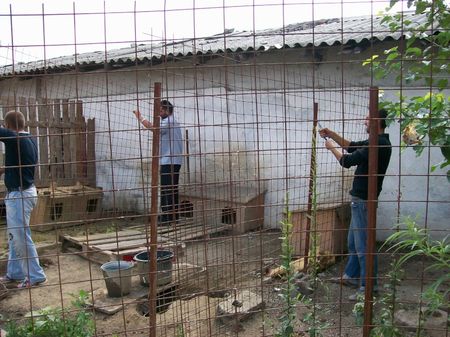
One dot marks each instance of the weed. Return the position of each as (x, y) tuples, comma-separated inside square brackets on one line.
[(384, 320), (180, 330), (56, 322), (358, 310), (413, 241)]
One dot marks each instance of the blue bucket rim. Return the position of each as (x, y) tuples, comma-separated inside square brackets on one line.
[(169, 256)]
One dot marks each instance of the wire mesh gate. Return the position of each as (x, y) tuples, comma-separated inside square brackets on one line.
[(249, 116)]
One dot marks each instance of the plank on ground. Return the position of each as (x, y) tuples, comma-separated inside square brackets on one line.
[(113, 239), (194, 233), (99, 236), (120, 244), (114, 243)]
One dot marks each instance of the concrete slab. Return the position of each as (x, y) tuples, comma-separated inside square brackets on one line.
[(240, 305), (435, 325)]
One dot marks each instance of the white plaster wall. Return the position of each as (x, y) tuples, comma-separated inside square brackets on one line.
[(242, 141)]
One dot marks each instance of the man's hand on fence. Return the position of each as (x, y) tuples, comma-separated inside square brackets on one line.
[(138, 115), (325, 133), (330, 144)]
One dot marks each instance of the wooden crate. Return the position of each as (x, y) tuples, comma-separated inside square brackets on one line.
[(241, 207), (59, 207), (332, 227)]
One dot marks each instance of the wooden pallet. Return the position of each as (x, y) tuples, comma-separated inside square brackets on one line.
[(105, 247), (185, 230)]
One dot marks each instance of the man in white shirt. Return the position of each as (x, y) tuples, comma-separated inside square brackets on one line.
[(171, 159)]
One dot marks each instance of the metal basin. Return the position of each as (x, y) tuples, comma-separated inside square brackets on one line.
[(163, 266)]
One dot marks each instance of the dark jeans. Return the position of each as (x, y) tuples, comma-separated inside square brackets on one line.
[(170, 175)]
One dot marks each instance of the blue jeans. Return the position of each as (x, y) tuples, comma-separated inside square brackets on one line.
[(357, 243), (23, 261)]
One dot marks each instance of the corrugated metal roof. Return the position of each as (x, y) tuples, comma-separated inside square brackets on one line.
[(327, 32)]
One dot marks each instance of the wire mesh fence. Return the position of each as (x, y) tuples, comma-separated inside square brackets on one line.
[(231, 214)]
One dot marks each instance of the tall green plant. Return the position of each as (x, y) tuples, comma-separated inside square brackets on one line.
[(315, 326), (289, 291), (314, 244), (424, 59)]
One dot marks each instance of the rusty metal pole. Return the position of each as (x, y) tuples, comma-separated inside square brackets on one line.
[(312, 172), (154, 210), (371, 208), (188, 164)]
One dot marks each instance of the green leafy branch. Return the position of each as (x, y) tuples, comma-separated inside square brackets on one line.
[(424, 120), (423, 58), (426, 51)]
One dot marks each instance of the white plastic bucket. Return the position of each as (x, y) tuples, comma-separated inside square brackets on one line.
[(117, 276)]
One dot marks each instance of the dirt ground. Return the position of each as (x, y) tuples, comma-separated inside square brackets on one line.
[(195, 310)]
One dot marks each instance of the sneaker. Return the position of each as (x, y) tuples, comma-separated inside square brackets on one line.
[(345, 280), (361, 293), (5, 279), (26, 284)]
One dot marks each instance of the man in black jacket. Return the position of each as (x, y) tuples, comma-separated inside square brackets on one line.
[(357, 154)]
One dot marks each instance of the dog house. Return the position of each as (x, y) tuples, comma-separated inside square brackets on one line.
[(241, 207), (332, 223), (64, 206)]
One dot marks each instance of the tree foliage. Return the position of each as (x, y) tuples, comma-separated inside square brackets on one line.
[(423, 58)]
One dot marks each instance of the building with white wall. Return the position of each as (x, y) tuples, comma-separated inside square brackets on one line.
[(246, 101)]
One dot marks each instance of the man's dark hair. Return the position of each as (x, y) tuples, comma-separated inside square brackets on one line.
[(165, 104), (15, 120), (382, 115)]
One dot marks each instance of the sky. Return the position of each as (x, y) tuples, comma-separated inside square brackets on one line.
[(33, 30)]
